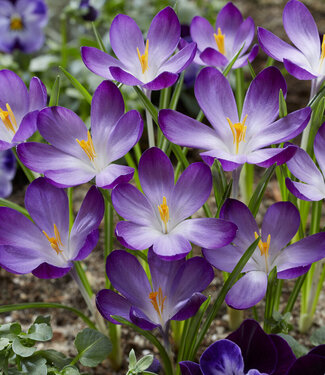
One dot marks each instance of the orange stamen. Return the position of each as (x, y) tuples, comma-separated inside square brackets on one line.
[(144, 58), (164, 212), (220, 40), (8, 118), (55, 241), (88, 147), (238, 130)]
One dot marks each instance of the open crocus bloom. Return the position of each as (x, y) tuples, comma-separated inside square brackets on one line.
[(280, 224), (145, 64), (174, 294), (235, 141), (302, 166), (218, 47), (158, 217), (306, 59), (75, 156), (7, 172), (46, 248), (21, 24), (248, 350), (19, 108)]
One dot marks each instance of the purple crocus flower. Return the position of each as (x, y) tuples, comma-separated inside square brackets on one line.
[(148, 65), (302, 166), (158, 217), (235, 141), (47, 248), (21, 24), (174, 294), (7, 172), (306, 59), (19, 108), (74, 156), (280, 224), (248, 350), (218, 47)]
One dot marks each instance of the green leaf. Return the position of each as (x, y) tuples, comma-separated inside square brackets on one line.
[(77, 85), (282, 105), (34, 366), (6, 203), (132, 360), (70, 370), (318, 337), (93, 347), (144, 363), (10, 330), (40, 332), (98, 38), (232, 62), (43, 319), (4, 341), (55, 358), (55, 92), (147, 103), (298, 349), (22, 350)]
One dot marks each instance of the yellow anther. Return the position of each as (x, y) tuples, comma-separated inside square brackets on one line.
[(88, 147), (158, 304), (264, 248), (323, 49), (8, 118), (144, 58), (220, 40), (238, 130), (55, 241), (16, 23), (164, 212)]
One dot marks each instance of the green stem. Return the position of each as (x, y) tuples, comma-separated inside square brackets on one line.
[(131, 163), (14, 206), (151, 135), (305, 134), (64, 57), (108, 232), (70, 198), (269, 300)]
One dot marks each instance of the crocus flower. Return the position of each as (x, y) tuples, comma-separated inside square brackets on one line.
[(306, 59), (46, 248), (235, 141), (21, 25), (314, 360), (280, 224), (149, 65), (19, 108), (75, 156), (248, 350), (7, 172), (217, 47), (158, 217), (174, 294), (302, 166)]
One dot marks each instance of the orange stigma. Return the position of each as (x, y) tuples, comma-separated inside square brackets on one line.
[(158, 304), (8, 118), (16, 23), (264, 248), (238, 130), (55, 241), (323, 49), (220, 40), (144, 58), (88, 147), (164, 212)]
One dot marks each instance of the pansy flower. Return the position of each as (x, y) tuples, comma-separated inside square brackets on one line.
[(314, 360), (7, 172), (19, 108), (233, 140), (306, 59), (302, 166), (89, 12), (175, 293), (21, 25), (280, 224), (45, 247), (75, 156), (150, 64), (217, 47), (159, 217)]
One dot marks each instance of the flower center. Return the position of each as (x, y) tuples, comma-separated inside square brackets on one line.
[(238, 130), (164, 212), (88, 147), (55, 241), (8, 118), (323, 50), (220, 40), (16, 23), (157, 299), (144, 58), (264, 249)]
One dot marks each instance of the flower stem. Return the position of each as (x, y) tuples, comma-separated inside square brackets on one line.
[(151, 136), (305, 134), (235, 182)]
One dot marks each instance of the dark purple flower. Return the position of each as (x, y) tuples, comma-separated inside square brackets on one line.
[(217, 47), (235, 141), (90, 13), (7, 172), (306, 59), (280, 224), (21, 24), (302, 166), (174, 294), (159, 217), (313, 361), (248, 350), (148, 65), (74, 156), (47, 248), (19, 108)]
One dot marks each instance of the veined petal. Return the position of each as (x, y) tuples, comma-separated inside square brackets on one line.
[(190, 307), (299, 72), (202, 33), (228, 160), (110, 303), (163, 80), (212, 57), (319, 146), (244, 36), (37, 94), (114, 174), (47, 271), (268, 156), (32, 39), (27, 128), (242, 61), (172, 246), (32, 11), (304, 191), (68, 177), (190, 368), (121, 75), (180, 61)]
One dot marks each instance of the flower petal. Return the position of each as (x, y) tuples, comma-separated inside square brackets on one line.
[(202, 33), (110, 303), (47, 271), (162, 81), (114, 174), (37, 94), (189, 307), (228, 161), (120, 75), (180, 61), (212, 57), (172, 246), (27, 128), (242, 61), (244, 36), (304, 191), (268, 156), (319, 146), (298, 72), (190, 368), (285, 355)]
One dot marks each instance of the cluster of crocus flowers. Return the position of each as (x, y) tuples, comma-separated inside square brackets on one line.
[(280, 224), (175, 292), (45, 246), (218, 47), (149, 65), (158, 218), (21, 25), (75, 156), (7, 172)]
